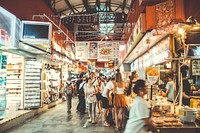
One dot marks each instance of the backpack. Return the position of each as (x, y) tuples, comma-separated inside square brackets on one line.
[(81, 91), (68, 89)]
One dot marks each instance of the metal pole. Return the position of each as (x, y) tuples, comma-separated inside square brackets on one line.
[(57, 27)]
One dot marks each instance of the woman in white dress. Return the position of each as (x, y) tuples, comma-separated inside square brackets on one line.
[(90, 93)]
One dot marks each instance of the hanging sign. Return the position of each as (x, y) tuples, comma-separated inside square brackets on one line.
[(160, 52), (93, 50), (105, 50), (195, 67), (108, 50), (82, 50)]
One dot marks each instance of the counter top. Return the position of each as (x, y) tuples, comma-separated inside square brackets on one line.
[(185, 126)]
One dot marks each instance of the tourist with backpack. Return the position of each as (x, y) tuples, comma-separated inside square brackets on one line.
[(67, 88)]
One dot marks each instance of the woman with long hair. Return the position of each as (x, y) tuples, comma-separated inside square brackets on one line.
[(90, 93), (99, 86), (119, 103), (139, 120)]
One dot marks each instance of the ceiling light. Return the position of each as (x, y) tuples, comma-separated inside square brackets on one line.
[(181, 31), (106, 37)]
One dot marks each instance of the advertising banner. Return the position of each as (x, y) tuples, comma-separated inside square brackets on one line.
[(108, 50), (82, 50), (160, 52), (93, 50), (105, 50)]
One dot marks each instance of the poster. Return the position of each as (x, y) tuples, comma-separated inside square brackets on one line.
[(105, 50), (108, 50), (195, 67), (82, 50), (93, 50)]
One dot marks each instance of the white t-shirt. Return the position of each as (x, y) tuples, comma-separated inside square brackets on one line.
[(109, 86), (170, 87), (90, 91), (139, 110)]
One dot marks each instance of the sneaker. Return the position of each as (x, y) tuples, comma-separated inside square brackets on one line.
[(94, 122), (106, 124)]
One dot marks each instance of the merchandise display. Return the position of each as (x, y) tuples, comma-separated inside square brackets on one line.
[(2, 93), (53, 83), (14, 83), (32, 94), (65, 74)]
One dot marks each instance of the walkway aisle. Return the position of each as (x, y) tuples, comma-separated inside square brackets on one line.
[(56, 120)]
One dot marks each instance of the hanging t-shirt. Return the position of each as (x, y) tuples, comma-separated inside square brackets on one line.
[(91, 98), (139, 110)]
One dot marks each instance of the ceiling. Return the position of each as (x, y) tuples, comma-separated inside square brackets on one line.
[(93, 20)]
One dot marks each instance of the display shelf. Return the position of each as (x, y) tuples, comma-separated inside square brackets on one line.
[(3, 93), (15, 80), (32, 93)]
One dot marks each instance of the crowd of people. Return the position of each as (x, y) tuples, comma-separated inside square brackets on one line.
[(107, 95)]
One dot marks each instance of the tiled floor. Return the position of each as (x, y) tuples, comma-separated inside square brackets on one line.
[(56, 120)]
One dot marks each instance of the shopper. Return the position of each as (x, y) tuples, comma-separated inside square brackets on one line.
[(129, 88), (79, 81), (170, 89), (99, 87), (107, 100), (119, 103), (81, 95), (186, 86), (90, 93), (139, 120), (118, 75), (69, 91)]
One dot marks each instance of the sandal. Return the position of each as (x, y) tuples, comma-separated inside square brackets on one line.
[(90, 121)]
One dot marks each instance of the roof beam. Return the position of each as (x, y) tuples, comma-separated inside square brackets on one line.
[(124, 5), (86, 5), (70, 6), (109, 5), (98, 4)]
